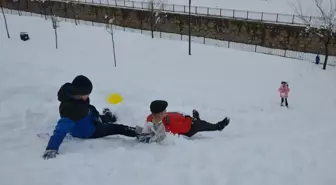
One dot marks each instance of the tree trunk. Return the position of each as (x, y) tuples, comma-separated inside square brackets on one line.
[(44, 10), (326, 47), (152, 20), (56, 38), (66, 10), (114, 53), (4, 16), (73, 13)]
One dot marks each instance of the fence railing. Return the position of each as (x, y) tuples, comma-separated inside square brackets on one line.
[(208, 11), (201, 40)]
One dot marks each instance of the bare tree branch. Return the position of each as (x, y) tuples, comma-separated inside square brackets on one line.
[(155, 6), (318, 5), (325, 24), (327, 18), (299, 13)]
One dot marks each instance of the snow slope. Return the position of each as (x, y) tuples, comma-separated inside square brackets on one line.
[(264, 144)]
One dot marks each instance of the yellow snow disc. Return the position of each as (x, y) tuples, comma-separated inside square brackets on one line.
[(114, 98)]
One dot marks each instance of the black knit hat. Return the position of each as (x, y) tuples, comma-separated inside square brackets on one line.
[(81, 85), (158, 106)]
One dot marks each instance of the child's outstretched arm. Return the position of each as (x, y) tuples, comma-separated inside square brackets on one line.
[(159, 132), (64, 125), (151, 134)]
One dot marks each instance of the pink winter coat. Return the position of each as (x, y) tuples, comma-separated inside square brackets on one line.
[(284, 90)]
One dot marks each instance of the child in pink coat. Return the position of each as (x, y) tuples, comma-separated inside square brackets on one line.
[(284, 91)]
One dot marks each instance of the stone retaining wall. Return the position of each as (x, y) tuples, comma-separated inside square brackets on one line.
[(263, 34)]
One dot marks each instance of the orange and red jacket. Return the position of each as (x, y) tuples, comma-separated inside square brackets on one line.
[(175, 122)]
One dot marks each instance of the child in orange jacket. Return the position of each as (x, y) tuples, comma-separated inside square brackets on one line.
[(178, 123)]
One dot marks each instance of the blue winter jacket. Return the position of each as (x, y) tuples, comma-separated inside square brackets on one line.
[(78, 118)]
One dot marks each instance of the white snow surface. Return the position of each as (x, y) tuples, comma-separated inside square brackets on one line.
[(265, 144)]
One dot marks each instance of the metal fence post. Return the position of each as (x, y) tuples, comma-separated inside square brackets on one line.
[(220, 12), (277, 17), (233, 12), (208, 11), (189, 19), (141, 25), (44, 10)]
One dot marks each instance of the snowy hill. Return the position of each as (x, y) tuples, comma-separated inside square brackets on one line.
[(265, 144)]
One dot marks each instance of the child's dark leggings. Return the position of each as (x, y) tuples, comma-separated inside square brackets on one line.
[(103, 130), (107, 128), (201, 126), (284, 100)]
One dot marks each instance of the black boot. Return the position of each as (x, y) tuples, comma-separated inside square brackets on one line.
[(196, 115), (222, 124)]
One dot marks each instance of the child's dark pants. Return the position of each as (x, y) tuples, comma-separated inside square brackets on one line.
[(103, 130), (284, 100), (201, 126)]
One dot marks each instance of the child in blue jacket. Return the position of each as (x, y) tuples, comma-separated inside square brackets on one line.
[(81, 119)]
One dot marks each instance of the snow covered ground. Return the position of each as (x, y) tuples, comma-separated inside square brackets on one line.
[(264, 144)]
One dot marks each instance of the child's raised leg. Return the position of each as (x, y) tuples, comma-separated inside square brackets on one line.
[(103, 130)]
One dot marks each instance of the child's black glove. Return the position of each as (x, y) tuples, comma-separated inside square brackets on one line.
[(108, 116), (48, 154)]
